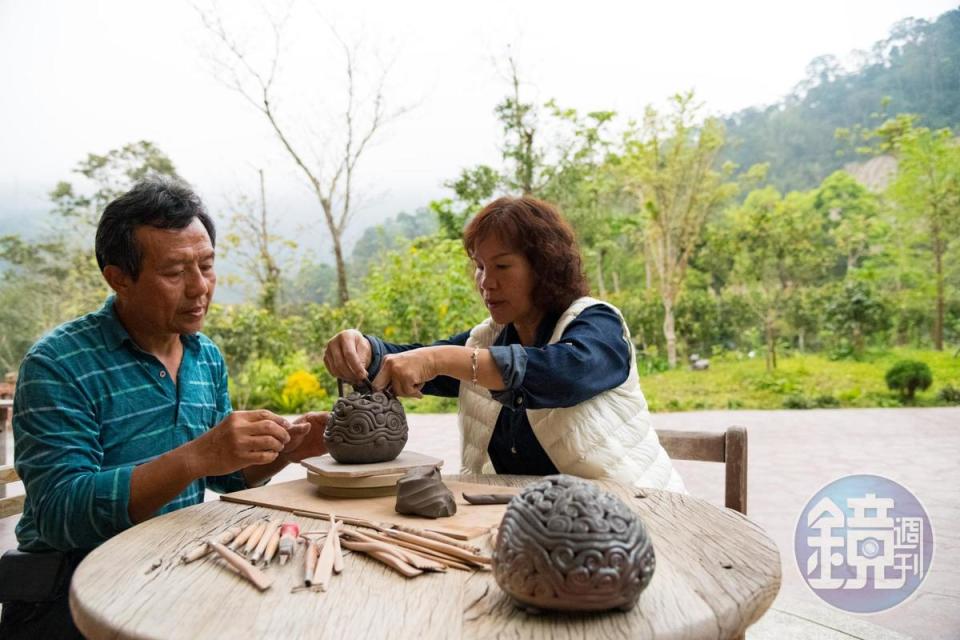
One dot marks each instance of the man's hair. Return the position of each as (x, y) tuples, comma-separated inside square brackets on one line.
[(163, 203), (536, 229)]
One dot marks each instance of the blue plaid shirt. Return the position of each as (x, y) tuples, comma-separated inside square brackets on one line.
[(89, 406)]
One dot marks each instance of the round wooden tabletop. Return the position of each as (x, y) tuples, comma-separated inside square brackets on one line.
[(717, 573)]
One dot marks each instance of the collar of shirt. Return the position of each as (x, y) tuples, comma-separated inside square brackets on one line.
[(545, 329), (115, 334)]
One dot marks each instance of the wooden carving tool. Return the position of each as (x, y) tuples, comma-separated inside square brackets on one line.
[(439, 537), (412, 558), (335, 529), (448, 549), (271, 549), (321, 575), (271, 527), (244, 535), (310, 562), (204, 549), (248, 571), (386, 558), (449, 561), (254, 538)]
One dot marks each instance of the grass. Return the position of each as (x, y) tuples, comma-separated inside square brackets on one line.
[(799, 381)]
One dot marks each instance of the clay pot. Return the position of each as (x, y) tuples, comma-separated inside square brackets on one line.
[(565, 544), (365, 428)]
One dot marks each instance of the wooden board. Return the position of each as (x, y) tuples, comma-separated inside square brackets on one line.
[(388, 480), (470, 521), (327, 466)]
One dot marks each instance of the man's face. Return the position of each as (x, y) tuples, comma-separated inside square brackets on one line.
[(176, 280)]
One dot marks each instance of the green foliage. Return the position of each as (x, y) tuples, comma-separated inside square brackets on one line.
[(736, 381), (907, 376), (423, 293), (854, 312), (949, 395)]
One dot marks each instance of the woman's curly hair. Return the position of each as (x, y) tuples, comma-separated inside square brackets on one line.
[(537, 230)]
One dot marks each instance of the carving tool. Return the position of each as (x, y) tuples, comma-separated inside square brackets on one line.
[(254, 538), (271, 527), (271, 548), (243, 536), (310, 557), (204, 549), (288, 541), (248, 571)]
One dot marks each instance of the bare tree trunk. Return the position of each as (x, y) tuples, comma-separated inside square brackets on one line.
[(669, 332), (342, 292), (771, 358), (938, 250), (601, 289), (271, 271), (615, 275)]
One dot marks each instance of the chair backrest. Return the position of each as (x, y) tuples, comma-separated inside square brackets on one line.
[(14, 504), (729, 447)]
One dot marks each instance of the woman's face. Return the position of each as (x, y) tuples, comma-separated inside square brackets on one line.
[(505, 280)]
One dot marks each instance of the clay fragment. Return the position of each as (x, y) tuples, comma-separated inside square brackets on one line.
[(565, 544), (421, 492), (365, 428)]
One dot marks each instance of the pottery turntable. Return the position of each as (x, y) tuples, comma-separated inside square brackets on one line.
[(338, 480)]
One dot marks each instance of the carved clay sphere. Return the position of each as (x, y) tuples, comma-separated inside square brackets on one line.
[(366, 427), (566, 544)]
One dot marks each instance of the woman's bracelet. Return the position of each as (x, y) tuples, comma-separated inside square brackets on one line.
[(474, 361)]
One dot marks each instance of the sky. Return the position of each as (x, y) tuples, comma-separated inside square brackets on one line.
[(81, 77)]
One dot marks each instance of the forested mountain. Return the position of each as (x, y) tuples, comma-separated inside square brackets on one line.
[(916, 69)]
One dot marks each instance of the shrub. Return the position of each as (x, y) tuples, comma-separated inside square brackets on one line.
[(949, 395), (907, 376), (796, 401), (826, 401)]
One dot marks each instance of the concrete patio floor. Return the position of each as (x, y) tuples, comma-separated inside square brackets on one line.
[(792, 454)]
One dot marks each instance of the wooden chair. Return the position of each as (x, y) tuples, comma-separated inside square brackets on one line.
[(729, 448), (14, 504)]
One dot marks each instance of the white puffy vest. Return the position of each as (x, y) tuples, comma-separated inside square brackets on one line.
[(607, 436)]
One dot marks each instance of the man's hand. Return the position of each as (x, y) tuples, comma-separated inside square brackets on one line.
[(347, 356), (306, 437), (243, 439)]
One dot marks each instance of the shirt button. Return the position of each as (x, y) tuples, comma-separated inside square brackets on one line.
[(519, 399), (163, 374)]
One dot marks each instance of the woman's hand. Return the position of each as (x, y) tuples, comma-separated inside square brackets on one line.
[(405, 373), (347, 356)]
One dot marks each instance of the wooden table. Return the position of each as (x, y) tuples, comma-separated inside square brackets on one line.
[(716, 574)]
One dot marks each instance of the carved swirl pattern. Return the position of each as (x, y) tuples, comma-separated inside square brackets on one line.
[(366, 428), (566, 544)]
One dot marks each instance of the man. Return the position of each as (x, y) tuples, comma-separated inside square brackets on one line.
[(124, 414)]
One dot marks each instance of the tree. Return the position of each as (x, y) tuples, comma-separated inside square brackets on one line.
[(259, 248), (852, 214), (856, 312), (782, 247), (64, 261), (669, 168), (332, 179), (926, 189)]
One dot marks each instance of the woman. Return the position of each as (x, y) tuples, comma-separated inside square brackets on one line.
[(548, 383)]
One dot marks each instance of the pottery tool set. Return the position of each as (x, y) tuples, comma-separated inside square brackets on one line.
[(249, 549)]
